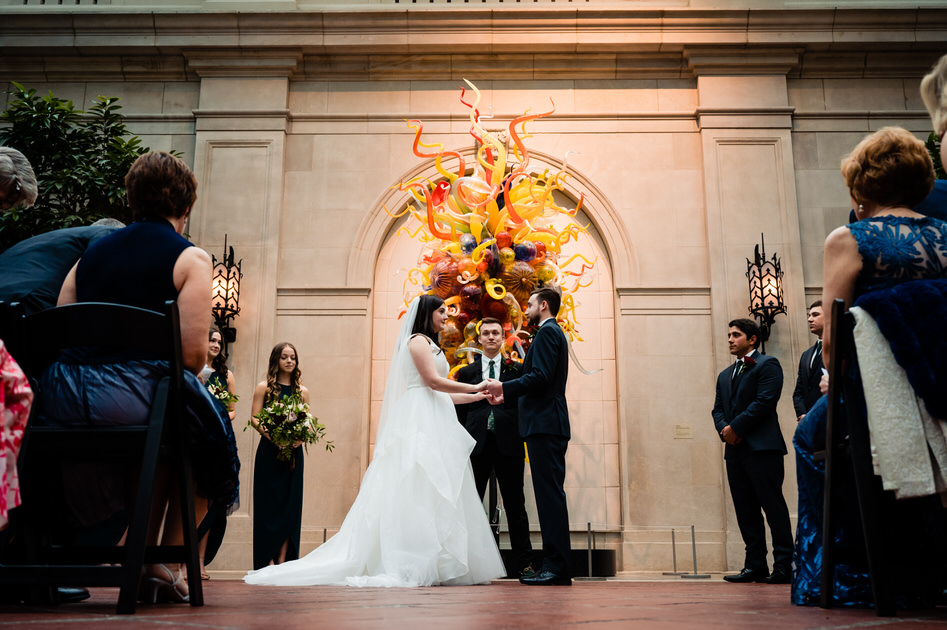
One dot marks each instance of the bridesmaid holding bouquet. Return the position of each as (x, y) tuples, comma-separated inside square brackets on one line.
[(277, 481)]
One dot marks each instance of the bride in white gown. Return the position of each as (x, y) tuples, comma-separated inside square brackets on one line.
[(417, 519)]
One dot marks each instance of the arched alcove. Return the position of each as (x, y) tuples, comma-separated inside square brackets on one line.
[(593, 484)]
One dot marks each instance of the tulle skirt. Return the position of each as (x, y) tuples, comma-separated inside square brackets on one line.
[(417, 519)]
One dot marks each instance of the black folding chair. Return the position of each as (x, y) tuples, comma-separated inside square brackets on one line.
[(848, 444), (47, 563)]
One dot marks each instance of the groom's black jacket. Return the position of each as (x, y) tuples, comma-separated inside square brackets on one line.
[(541, 390), (473, 416)]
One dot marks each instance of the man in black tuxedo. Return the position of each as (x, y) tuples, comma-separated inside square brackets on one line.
[(744, 415), (499, 444), (810, 367), (544, 423)]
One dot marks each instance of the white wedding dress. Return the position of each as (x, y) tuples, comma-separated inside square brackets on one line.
[(417, 519)]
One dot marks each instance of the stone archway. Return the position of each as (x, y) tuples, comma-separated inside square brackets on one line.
[(594, 478)]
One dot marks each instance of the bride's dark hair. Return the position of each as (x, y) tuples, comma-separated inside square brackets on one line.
[(423, 324)]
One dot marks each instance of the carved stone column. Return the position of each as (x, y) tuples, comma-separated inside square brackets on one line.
[(745, 124), (241, 128)]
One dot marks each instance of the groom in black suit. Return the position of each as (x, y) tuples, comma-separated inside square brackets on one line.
[(744, 414), (544, 422), (499, 445)]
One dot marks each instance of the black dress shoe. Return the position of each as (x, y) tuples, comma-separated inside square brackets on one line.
[(780, 575), (747, 575), (69, 595), (546, 578)]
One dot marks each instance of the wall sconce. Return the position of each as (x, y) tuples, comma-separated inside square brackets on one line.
[(766, 289), (225, 293)]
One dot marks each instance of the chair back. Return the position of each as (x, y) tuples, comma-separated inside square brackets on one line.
[(110, 327)]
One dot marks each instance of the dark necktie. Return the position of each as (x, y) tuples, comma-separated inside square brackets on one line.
[(491, 424), (816, 355), (737, 370)]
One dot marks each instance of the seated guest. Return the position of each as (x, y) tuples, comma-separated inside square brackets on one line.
[(887, 174), (34, 269), (144, 265), (17, 182)]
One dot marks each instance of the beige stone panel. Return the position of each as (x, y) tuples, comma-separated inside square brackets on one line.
[(685, 268), (406, 67), (299, 154), (437, 97), (535, 96), (805, 151), (821, 188), (155, 142), (616, 96), (742, 92), (180, 97), (585, 505), (250, 93), (612, 466), (610, 428), (374, 97), (919, 124), (585, 467), (586, 419), (806, 95), (235, 190), (677, 95), (864, 94), (687, 153), (308, 97), (185, 145), (341, 416), (835, 146), (912, 95), (832, 122)]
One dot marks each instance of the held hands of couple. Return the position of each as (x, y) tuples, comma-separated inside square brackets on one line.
[(493, 390)]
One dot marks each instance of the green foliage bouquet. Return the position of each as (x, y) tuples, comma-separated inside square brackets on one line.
[(287, 422), (220, 392)]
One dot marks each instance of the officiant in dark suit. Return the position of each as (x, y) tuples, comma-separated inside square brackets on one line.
[(810, 367), (499, 446), (744, 415), (544, 423)]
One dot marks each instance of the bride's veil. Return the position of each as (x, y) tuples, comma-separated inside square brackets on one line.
[(398, 370)]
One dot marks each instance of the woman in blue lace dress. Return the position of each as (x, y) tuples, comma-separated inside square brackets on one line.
[(888, 173)]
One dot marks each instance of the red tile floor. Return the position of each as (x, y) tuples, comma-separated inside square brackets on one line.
[(625, 602)]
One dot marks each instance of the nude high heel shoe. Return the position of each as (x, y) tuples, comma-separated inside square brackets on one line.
[(159, 590)]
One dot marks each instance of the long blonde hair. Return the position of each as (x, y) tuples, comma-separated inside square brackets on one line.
[(272, 372)]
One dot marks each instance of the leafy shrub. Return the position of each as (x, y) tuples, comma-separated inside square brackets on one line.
[(80, 159)]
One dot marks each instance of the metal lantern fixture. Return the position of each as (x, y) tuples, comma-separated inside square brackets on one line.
[(766, 289), (225, 293)]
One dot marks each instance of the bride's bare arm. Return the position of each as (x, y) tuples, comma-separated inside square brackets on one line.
[(420, 349), (463, 399)]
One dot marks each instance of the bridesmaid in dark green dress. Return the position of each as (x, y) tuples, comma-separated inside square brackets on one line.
[(277, 485), (215, 375)]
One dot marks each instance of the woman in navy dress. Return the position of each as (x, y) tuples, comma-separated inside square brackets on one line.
[(144, 265), (887, 174)]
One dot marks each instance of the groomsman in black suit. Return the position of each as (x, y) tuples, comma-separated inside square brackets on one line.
[(810, 367), (544, 423), (499, 444), (744, 415)]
